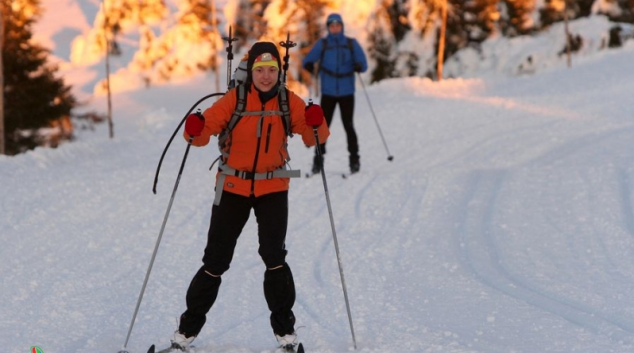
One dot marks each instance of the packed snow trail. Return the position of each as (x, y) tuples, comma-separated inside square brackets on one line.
[(504, 223)]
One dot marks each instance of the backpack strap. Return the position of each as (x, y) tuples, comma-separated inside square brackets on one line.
[(241, 104), (324, 45), (238, 113), (282, 98)]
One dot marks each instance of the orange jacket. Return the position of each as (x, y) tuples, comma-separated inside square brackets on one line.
[(249, 152)]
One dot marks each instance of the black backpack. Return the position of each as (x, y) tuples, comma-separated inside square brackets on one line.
[(324, 46)]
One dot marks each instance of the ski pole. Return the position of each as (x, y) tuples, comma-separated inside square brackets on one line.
[(334, 236), (288, 44), (389, 156), (156, 246), (230, 39)]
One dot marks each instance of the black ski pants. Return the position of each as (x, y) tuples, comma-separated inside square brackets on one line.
[(227, 221), (346, 108)]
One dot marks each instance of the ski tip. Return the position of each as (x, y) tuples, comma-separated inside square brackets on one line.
[(152, 349), (300, 348)]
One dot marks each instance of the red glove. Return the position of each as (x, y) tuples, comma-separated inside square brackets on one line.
[(194, 124), (314, 115)]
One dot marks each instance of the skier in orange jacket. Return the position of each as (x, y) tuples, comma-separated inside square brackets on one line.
[(252, 175)]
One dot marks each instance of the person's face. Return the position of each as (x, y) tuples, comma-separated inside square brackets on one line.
[(265, 77), (335, 27)]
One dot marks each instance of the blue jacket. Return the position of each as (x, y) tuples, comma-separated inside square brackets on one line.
[(336, 67)]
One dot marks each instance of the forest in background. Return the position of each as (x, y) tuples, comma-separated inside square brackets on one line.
[(161, 40), (400, 36)]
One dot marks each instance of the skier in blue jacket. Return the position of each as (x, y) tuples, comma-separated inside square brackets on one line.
[(339, 58)]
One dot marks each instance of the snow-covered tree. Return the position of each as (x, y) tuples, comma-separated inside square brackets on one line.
[(616, 10), (553, 10), (190, 45), (243, 23), (304, 22), (382, 43), (480, 18), (116, 18)]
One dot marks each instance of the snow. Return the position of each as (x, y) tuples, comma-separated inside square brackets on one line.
[(529, 54), (505, 223)]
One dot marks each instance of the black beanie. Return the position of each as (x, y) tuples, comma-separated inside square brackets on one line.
[(258, 49)]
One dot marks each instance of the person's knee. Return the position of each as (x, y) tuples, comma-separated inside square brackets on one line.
[(200, 297), (279, 288), (203, 285), (279, 291), (273, 257)]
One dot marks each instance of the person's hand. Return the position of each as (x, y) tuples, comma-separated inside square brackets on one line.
[(358, 67), (314, 115), (194, 124), (309, 67)]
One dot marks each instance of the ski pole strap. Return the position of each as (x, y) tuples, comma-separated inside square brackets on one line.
[(224, 169)]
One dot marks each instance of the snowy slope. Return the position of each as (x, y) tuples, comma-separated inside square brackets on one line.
[(504, 224)]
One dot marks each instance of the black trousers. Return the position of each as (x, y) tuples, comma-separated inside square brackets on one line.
[(346, 108), (227, 221)]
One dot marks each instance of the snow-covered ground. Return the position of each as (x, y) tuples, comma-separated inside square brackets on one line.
[(505, 223)]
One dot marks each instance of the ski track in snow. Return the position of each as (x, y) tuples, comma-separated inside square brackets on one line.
[(505, 223)]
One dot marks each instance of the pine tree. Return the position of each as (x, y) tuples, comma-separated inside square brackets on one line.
[(382, 44), (311, 17), (616, 10), (458, 35), (424, 18), (191, 45), (424, 15), (36, 96), (242, 24), (480, 19), (551, 12), (257, 22), (397, 12), (518, 20)]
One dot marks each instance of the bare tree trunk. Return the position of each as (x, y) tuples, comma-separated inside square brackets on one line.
[(568, 37), (2, 20), (106, 36), (441, 40), (213, 43)]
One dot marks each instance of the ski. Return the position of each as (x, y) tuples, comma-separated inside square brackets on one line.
[(348, 174), (170, 349), (293, 348), (344, 175), (298, 348)]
